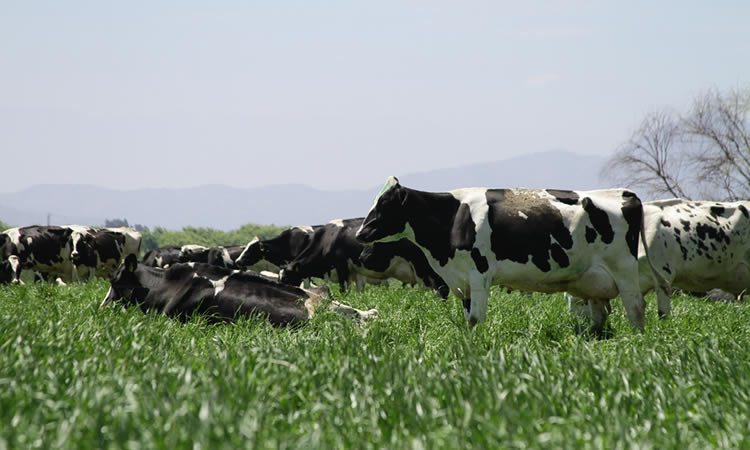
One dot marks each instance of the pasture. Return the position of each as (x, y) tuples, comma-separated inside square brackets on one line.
[(72, 375)]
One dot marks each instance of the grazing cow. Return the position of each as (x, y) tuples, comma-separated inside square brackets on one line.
[(99, 251), (221, 294), (696, 246), (403, 261), (43, 249), (217, 256), (163, 256), (584, 242), (192, 251), (279, 250), (334, 247)]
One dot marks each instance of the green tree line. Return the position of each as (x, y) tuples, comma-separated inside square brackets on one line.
[(209, 237)]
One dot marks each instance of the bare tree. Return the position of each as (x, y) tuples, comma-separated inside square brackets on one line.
[(651, 158), (705, 153), (719, 130)]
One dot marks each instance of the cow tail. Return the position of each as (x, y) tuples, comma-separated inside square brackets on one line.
[(660, 280)]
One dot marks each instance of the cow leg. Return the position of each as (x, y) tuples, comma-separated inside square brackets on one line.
[(599, 311), (635, 307), (664, 302), (478, 300), (314, 301), (362, 316), (343, 275), (579, 306), (361, 281)]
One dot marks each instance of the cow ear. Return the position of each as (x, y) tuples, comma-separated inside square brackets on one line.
[(131, 263)]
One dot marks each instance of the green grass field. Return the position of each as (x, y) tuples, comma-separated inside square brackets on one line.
[(72, 375)]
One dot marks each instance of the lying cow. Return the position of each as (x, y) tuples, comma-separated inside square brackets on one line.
[(585, 242), (696, 246), (218, 293), (334, 248)]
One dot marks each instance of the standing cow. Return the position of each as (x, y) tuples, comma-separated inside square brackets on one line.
[(216, 256), (162, 257), (279, 250), (97, 252), (584, 242), (695, 245), (42, 249), (334, 248), (69, 253)]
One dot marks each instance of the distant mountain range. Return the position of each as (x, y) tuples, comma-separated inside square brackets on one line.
[(224, 207)]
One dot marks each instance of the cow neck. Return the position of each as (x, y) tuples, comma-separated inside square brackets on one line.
[(150, 277), (431, 216)]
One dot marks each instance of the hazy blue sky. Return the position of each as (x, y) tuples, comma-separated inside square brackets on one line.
[(339, 94)]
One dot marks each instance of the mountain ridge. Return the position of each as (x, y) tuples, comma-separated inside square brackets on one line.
[(225, 207)]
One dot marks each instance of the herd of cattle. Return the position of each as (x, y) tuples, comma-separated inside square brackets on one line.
[(593, 245)]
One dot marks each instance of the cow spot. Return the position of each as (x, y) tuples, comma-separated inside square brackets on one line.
[(632, 212), (480, 260), (590, 235), (744, 211), (533, 236), (707, 231), (567, 197), (599, 220)]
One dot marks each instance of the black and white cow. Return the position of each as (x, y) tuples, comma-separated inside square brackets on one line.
[(42, 249), (333, 248), (584, 242), (163, 256), (217, 256), (403, 261), (279, 250), (221, 294), (10, 270), (71, 252), (97, 252), (696, 246)]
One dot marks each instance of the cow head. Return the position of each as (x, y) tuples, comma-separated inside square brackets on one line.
[(290, 274), (252, 253), (10, 270), (386, 220), (192, 253), (5, 246), (124, 283)]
